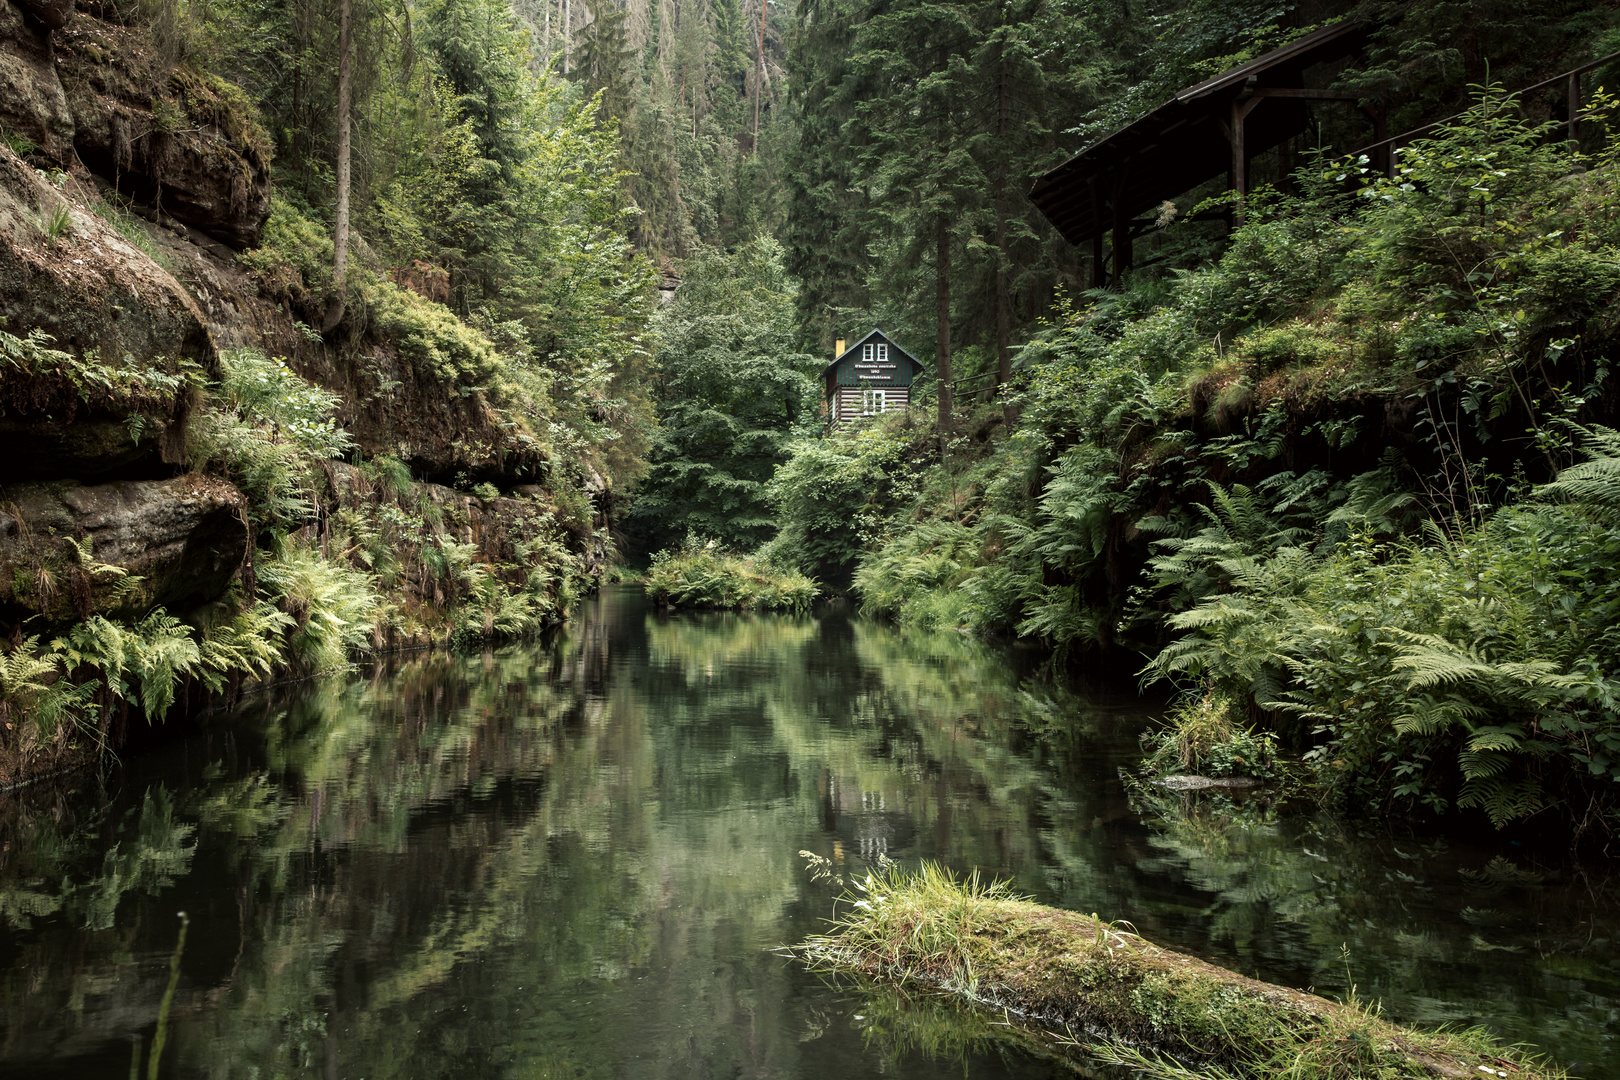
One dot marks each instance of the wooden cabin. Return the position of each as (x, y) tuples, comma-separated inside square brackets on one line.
[(872, 376)]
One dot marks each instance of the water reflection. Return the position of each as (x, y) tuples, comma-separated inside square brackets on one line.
[(570, 859)]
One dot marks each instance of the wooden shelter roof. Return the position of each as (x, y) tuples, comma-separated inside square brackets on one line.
[(1187, 140)]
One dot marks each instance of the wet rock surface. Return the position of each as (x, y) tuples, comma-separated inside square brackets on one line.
[(51, 14), (33, 105), (129, 327), (184, 146)]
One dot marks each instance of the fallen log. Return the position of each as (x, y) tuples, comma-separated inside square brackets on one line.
[(1113, 996)]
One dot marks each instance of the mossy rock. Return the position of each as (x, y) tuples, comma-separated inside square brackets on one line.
[(1109, 993)]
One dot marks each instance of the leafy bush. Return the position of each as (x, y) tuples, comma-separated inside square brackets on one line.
[(332, 607), (701, 574), (833, 497), (918, 576), (1204, 736), (429, 335), (509, 601), (732, 391), (1471, 670), (294, 256)]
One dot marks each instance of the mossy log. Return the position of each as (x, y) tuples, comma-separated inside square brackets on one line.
[(1109, 993)]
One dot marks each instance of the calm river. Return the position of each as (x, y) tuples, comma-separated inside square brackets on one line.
[(569, 859)]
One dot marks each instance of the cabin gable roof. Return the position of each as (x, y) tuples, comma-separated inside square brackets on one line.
[(849, 369)]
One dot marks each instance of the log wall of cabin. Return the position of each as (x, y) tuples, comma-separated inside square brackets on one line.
[(848, 404)]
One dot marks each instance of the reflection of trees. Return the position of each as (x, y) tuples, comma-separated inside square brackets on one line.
[(571, 856), (1440, 933)]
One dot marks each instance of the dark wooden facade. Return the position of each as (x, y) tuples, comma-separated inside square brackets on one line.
[(872, 376)]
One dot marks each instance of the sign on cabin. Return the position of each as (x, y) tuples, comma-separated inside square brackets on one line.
[(872, 376)]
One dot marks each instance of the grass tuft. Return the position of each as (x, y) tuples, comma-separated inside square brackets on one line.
[(703, 575), (1121, 1000)]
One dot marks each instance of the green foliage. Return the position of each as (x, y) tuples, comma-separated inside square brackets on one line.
[(833, 497), (1144, 1007), (149, 390), (33, 690), (1473, 294), (507, 601), (1204, 737), (1470, 670), (266, 428), (433, 339), (918, 577), (732, 391), (294, 256), (703, 574), (332, 607), (142, 661)]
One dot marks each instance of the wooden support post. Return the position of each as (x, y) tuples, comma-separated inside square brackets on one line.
[(1099, 276), (1387, 151), (1383, 155), (1241, 108), (1240, 162), (1122, 234)]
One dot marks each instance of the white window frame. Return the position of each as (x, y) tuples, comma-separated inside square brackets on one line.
[(873, 401)]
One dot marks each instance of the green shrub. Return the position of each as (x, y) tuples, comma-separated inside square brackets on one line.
[(294, 256), (265, 428), (833, 497), (919, 576), (1205, 736), (700, 574), (509, 601), (1470, 670), (429, 335)]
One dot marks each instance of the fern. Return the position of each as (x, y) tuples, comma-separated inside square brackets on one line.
[(1596, 481), (1431, 661)]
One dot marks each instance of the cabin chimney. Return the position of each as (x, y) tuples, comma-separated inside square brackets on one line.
[(838, 349)]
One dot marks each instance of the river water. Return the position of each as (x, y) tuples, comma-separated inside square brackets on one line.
[(571, 858)]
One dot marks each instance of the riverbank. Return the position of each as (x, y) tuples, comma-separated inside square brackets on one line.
[(1123, 1000)]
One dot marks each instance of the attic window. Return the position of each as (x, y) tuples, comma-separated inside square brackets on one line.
[(874, 353)]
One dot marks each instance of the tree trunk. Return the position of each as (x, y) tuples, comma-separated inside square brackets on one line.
[(567, 29), (759, 72), (942, 316), (340, 235)]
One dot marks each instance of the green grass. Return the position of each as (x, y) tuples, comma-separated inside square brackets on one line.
[(1143, 1007), (708, 577), (1203, 735)]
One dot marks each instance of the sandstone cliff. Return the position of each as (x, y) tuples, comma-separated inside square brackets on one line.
[(137, 478)]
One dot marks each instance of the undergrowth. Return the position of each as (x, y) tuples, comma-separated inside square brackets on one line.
[(1306, 475), (701, 574)]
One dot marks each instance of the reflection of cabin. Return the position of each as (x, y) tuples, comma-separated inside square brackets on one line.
[(872, 376)]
